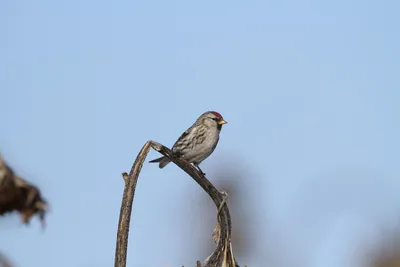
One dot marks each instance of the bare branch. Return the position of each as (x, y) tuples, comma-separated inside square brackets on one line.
[(222, 256), (126, 206)]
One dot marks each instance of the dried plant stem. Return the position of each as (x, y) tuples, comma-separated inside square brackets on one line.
[(126, 206)]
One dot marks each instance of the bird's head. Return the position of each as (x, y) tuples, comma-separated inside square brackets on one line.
[(212, 119)]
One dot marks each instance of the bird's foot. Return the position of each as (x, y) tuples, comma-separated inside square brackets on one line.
[(198, 168), (224, 198)]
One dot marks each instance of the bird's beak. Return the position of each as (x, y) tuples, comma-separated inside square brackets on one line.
[(221, 122)]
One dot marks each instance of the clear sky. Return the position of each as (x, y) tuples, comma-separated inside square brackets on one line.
[(310, 154)]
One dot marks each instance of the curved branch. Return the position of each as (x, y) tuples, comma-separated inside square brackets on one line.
[(126, 206), (222, 256)]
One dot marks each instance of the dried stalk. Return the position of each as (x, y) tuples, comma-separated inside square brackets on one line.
[(222, 256), (126, 206)]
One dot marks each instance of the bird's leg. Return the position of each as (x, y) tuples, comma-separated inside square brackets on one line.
[(224, 198), (197, 166)]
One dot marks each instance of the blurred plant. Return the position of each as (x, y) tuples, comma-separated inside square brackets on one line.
[(16, 194), (387, 256), (4, 261), (386, 252)]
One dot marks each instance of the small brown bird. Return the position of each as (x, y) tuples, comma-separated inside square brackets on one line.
[(199, 141)]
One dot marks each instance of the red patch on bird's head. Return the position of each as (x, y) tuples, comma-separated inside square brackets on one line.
[(216, 114)]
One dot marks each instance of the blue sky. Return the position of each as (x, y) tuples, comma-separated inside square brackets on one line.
[(310, 155)]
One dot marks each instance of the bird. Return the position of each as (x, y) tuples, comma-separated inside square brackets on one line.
[(198, 142)]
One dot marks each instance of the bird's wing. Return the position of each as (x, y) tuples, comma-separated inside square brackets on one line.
[(183, 141), (189, 139)]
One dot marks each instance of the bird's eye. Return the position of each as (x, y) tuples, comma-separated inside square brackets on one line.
[(215, 119)]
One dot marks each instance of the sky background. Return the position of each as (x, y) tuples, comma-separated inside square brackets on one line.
[(309, 157)]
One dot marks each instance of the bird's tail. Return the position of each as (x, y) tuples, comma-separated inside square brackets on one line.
[(163, 161)]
